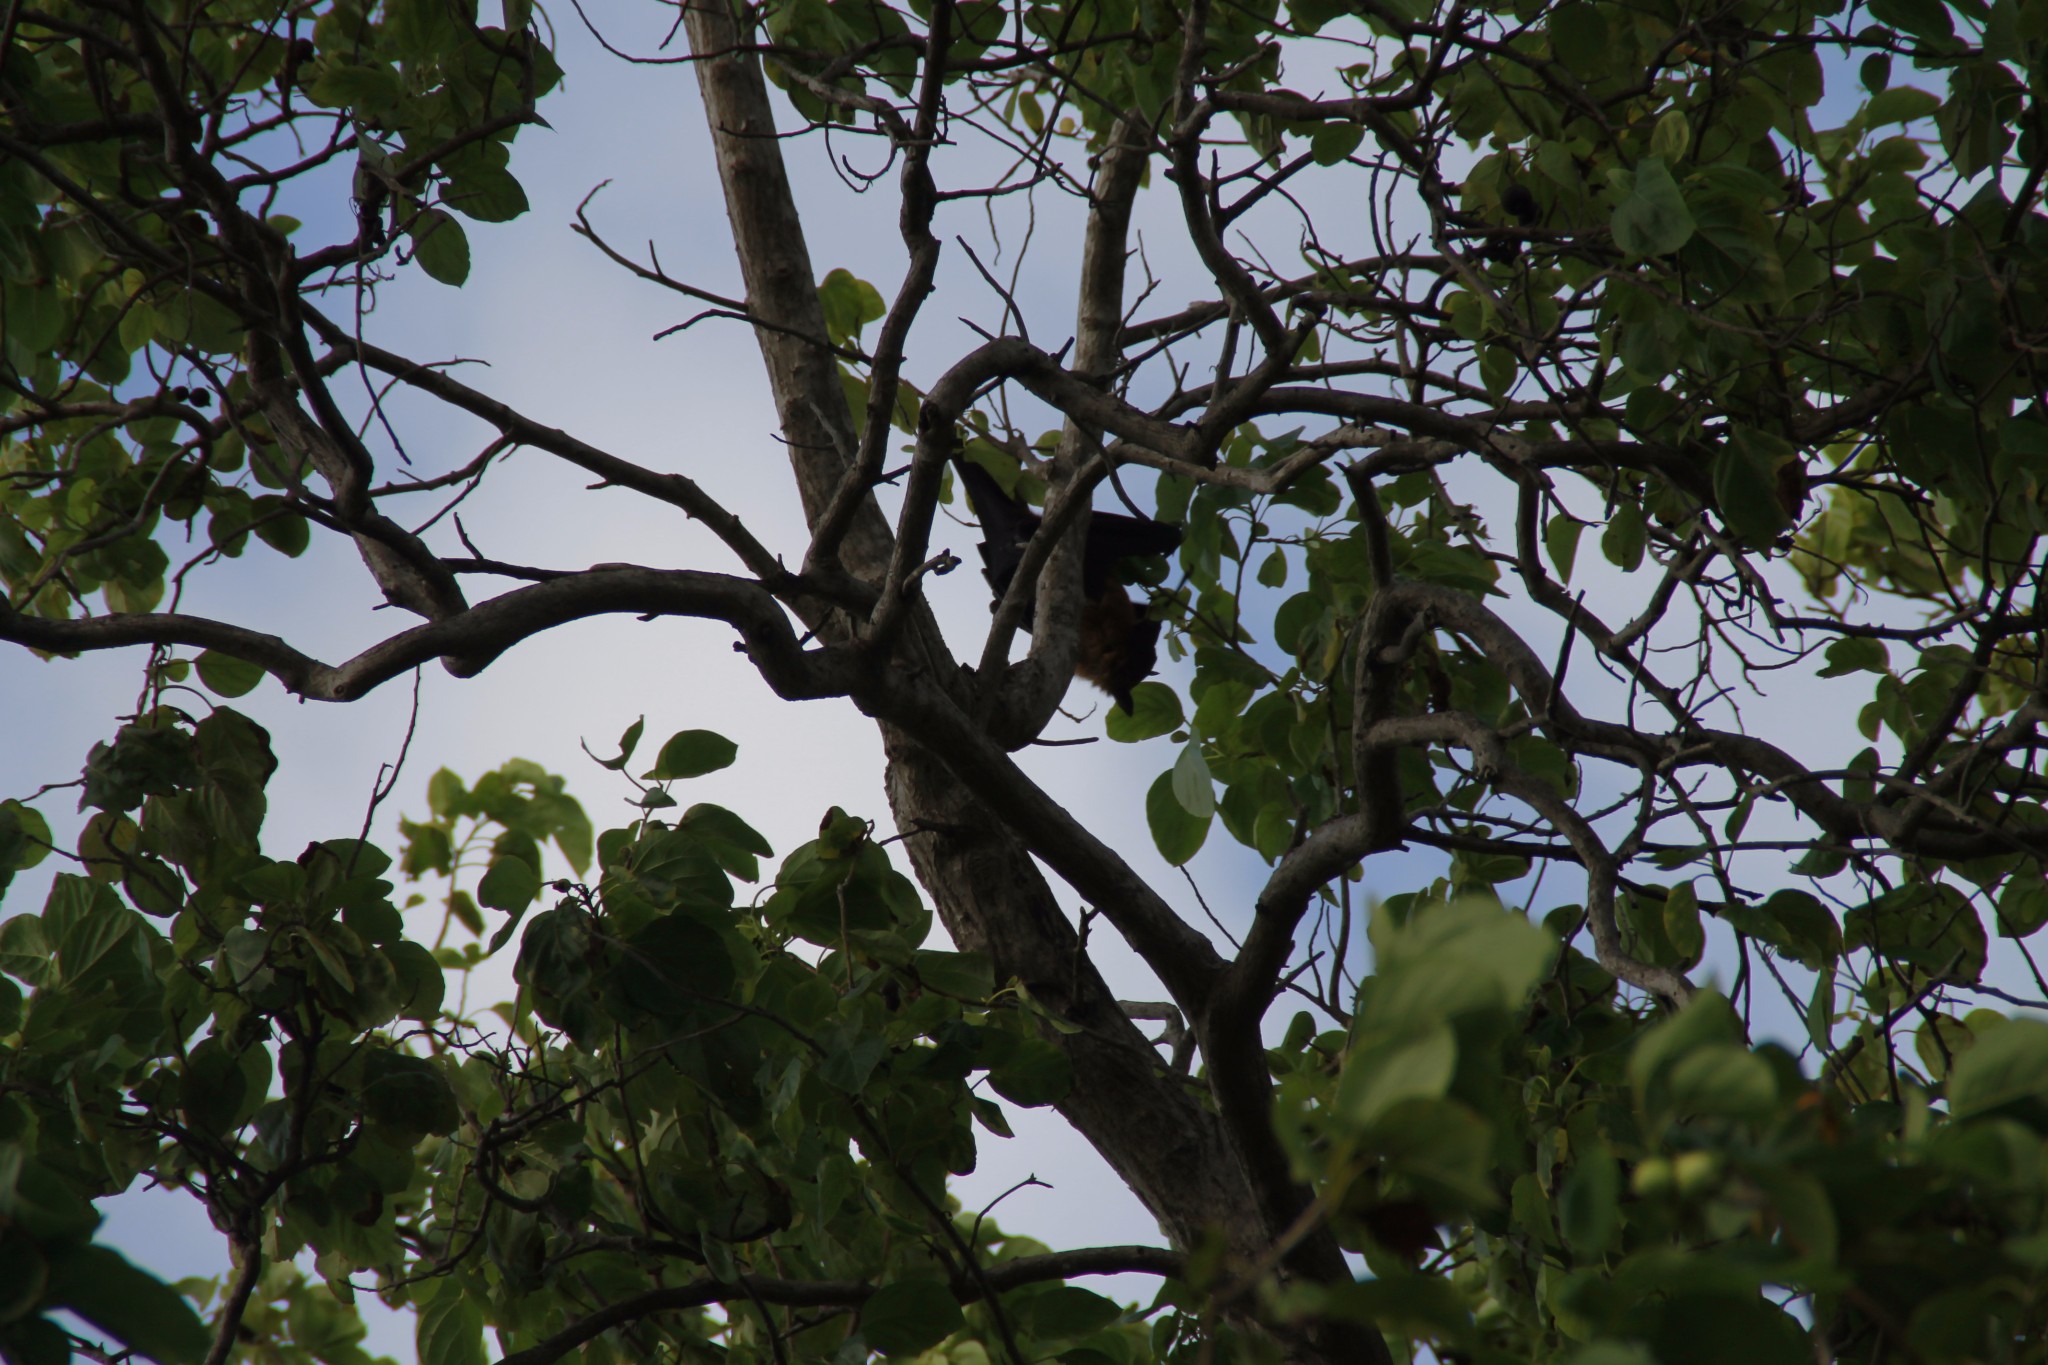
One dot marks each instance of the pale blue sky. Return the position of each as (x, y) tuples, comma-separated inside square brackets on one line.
[(568, 338)]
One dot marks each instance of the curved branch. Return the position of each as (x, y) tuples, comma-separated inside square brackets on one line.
[(227, 1331), (477, 635), (1033, 691), (919, 199), (1058, 1265)]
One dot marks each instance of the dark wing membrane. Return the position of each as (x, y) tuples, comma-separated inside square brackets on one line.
[(1113, 538), (1119, 644), (1006, 525)]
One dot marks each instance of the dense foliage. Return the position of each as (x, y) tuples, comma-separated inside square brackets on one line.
[(1755, 291)]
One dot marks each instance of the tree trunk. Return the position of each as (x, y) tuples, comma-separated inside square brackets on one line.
[(1154, 1127)]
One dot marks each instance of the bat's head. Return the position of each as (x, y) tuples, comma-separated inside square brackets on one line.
[(1140, 657), (1118, 648)]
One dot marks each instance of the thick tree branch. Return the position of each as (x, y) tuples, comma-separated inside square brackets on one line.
[(1031, 692), (1185, 961), (1004, 1276), (478, 635), (782, 288)]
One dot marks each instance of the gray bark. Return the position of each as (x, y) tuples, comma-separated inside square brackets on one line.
[(1156, 1129)]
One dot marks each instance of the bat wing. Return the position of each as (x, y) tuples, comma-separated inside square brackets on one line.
[(1113, 538), (1118, 647), (1006, 525)]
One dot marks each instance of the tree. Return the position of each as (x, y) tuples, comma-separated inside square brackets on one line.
[(1753, 290)]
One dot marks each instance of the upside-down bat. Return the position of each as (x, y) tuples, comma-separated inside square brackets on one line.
[(1119, 644)]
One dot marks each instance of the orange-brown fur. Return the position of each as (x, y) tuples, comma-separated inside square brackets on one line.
[(1118, 644)]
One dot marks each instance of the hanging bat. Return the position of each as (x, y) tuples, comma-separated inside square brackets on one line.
[(1119, 644)]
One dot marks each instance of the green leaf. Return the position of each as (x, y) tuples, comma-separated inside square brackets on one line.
[(1671, 137), (1921, 18), (732, 841), (1177, 834), (1652, 219), (283, 531), (25, 948), (1273, 571), (23, 1274), (1706, 1021), (1954, 1323), (440, 246), (1590, 1202), (1698, 1328), (408, 1094), (1382, 1071), (1579, 37), (850, 1059), (1902, 104), (227, 675), (489, 194), (509, 883), (1332, 142), (1938, 1040), (1625, 538), (1805, 1212), (1855, 654), (2022, 905), (901, 1319), (1470, 955), (1561, 541), (1793, 922), (692, 753), (1682, 922), (1066, 1312), (421, 981), (680, 867), (447, 797), (143, 1312), (1443, 1148), (990, 1115), (1820, 1009), (1399, 1301), (962, 975), (1193, 787), (673, 964), (1497, 369), (1724, 1079), (1746, 484), (1155, 710), (1811, 924), (2006, 1065), (1529, 1206), (368, 90), (628, 742), (24, 839), (1033, 1072), (36, 317), (1931, 927), (450, 1329), (41, 1203), (850, 303), (36, 1341), (219, 1089)]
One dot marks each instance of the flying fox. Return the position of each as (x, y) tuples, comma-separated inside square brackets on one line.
[(1119, 644)]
